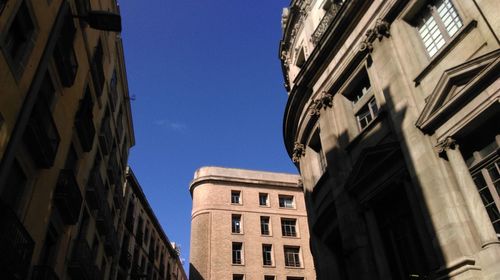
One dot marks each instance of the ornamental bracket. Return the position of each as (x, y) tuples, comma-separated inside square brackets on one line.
[(379, 31), (444, 145), (298, 152), (324, 101)]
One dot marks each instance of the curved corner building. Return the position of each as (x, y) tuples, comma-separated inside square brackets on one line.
[(249, 225), (393, 122)]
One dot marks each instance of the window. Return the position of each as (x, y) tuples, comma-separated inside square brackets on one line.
[(269, 277), (237, 253), (235, 197), (288, 227), (437, 24), (267, 256), (301, 58), (487, 182), (238, 277), (19, 38), (263, 199), (264, 226), (236, 223), (360, 93), (64, 54), (367, 113), (294, 278), (319, 155), (292, 256), (15, 187), (98, 69), (286, 201)]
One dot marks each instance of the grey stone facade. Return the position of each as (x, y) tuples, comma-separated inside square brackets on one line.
[(392, 120)]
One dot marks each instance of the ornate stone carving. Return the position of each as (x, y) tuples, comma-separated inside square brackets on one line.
[(379, 31), (324, 101), (442, 146), (298, 152), (325, 22)]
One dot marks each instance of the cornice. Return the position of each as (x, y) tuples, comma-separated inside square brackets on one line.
[(247, 181)]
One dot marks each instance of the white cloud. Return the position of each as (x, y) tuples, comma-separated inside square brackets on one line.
[(178, 126)]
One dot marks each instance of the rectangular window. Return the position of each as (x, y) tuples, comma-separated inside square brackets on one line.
[(436, 25), (237, 253), (286, 201), (263, 199), (488, 185), (292, 256), (294, 278), (64, 54), (288, 227), (264, 226), (97, 68), (367, 113), (236, 223), (267, 254), (269, 277), (235, 197), (238, 277)]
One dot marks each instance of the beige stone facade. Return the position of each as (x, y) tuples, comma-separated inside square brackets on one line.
[(248, 225), (393, 122)]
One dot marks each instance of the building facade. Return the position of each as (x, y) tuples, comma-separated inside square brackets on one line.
[(392, 120), (146, 252), (249, 225)]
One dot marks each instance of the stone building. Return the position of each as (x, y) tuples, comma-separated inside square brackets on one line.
[(249, 225), (146, 252), (393, 122)]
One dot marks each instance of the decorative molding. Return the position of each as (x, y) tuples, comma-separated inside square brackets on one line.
[(298, 152), (379, 31), (444, 145), (325, 22), (324, 101)]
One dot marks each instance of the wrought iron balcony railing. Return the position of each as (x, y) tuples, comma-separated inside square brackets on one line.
[(105, 136), (67, 197), (103, 219), (16, 245), (84, 122), (325, 21), (111, 243), (95, 190), (125, 259), (82, 266)]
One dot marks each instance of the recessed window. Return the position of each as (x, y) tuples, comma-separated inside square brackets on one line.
[(294, 278), (487, 182), (269, 277), (264, 226), (97, 68), (436, 25), (367, 113), (235, 197), (237, 253), (319, 155), (301, 58), (267, 254), (292, 256), (236, 223), (286, 201), (263, 199), (19, 38), (238, 277), (288, 227)]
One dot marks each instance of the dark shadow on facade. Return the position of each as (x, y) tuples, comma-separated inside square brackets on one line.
[(194, 274)]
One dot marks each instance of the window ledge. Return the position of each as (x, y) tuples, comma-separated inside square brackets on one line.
[(442, 53), (294, 267), (237, 233), (238, 264), (291, 237), (269, 266)]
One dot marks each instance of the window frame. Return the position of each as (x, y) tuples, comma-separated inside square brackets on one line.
[(430, 12), (238, 227), (262, 225), (284, 205), (240, 201), (266, 204), (292, 228), (267, 255), (237, 253), (296, 260)]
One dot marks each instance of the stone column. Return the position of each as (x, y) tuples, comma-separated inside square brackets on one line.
[(475, 206)]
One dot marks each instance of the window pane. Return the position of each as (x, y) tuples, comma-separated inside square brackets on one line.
[(236, 223), (288, 227), (292, 256), (267, 254), (235, 197), (264, 225), (237, 253), (286, 201), (263, 199)]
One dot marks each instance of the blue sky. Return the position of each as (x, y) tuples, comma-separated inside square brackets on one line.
[(208, 91)]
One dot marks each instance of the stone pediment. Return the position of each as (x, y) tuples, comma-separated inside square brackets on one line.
[(456, 87), (371, 165)]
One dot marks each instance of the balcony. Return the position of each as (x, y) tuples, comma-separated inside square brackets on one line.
[(97, 69), (105, 137), (129, 222), (64, 54), (103, 219), (330, 14), (67, 197), (114, 170), (81, 266), (139, 237), (43, 272), (84, 122), (16, 245), (162, 269), (125, 259), (41, 136), (118, 196), (95, 190)]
